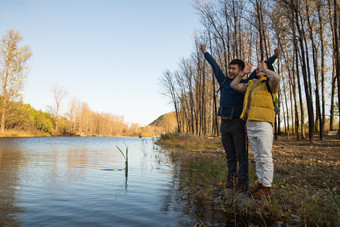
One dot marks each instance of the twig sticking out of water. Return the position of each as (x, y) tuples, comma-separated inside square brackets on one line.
[(121, 152), (126, 157)]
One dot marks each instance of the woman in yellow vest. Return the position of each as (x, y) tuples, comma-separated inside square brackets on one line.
[(258, 112)]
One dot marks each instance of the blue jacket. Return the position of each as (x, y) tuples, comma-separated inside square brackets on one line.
[(231, 101)]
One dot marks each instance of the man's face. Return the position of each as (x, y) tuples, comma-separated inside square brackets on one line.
[(233, 71)]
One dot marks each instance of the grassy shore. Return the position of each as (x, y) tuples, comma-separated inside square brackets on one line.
[(305, 189), (21, 133)]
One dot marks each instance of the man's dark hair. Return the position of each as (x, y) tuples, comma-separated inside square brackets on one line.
[(238, 62), (270, 66)]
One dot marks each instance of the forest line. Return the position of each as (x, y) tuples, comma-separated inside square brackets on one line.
[(307, 32), (18, 118)]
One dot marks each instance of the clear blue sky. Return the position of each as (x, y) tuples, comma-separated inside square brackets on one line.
[(108, 53)]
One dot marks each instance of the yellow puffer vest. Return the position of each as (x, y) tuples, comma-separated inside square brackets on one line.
[(261, 106)]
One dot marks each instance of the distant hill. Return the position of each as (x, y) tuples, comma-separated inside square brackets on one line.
[(167, 122)]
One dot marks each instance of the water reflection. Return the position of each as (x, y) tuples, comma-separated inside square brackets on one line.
[(9, 167), (83, 181)]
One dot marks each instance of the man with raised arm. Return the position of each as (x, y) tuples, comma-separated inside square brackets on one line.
[(258, 112), (232, 127)]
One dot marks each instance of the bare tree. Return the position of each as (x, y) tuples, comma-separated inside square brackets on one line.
[(306, 31), (59, 93), (74, 114), (168, 83)]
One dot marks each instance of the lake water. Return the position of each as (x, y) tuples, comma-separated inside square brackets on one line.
[(81, 181)]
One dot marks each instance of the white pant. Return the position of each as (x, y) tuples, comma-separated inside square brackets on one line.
[(260, 136)]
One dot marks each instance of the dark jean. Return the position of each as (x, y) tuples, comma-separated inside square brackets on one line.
[(234, 143)]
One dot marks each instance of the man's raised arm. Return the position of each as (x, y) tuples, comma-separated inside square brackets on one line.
[(215, 67)]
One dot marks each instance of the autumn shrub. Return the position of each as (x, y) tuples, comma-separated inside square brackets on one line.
[(192, 142)]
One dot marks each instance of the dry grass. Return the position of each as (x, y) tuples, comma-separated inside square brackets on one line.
[(187, 142), (21, 133), (305, 188)]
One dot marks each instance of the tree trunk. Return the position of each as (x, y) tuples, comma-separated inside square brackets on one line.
[(295, 105), (286, 102), (337, 54), (3, 112), (296, 54), (306, 80), (322, 70), (259, 28), (331, 118), (318, 118), (4, 99), (215, 129)]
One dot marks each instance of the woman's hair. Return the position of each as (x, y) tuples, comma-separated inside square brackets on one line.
[(270, 66), (238, 62)]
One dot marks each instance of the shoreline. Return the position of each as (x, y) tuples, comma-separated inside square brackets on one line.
[(27, 134)]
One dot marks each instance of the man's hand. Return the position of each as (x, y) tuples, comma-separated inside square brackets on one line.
[(247, 69), (203, 48), (277, 52), (263, 66)]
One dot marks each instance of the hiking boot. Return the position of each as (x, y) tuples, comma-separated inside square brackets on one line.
[(241, 186), (230, 184), (255, 189), (264, 192)]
